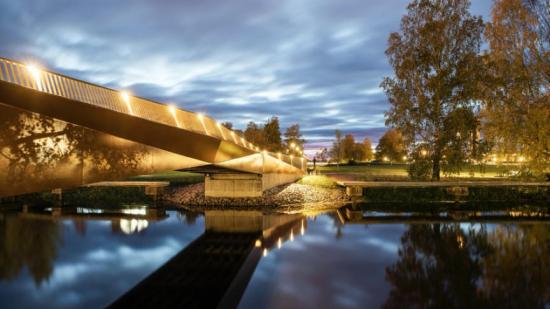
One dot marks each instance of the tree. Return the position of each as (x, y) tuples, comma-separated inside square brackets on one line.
[(254, 134), (461, 140), (348, 147), (272, 134), (322, 155), (391, 146), (293, 136), (517, 99), (336, 150), (367, 150), (437, 68), (228, 125)]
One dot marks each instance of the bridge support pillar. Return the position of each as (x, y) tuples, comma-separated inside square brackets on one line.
[(244, 185), (233, 185)]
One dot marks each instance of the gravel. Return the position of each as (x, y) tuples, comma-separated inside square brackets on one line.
[(288, 197)]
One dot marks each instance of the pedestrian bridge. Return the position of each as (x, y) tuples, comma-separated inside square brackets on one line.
[(60, 132)]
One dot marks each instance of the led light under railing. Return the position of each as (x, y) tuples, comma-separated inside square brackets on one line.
[(126, 98), (35, 74), (201, 119), (173, 111), (220, 127)]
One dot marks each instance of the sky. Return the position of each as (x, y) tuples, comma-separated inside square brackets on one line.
[(318, 63)]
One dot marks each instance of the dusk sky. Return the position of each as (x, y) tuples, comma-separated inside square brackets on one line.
[(317, 63)]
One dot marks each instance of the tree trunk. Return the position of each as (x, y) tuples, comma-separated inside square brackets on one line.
[(436, 167)]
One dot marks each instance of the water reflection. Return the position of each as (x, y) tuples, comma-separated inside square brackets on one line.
[(29, 243), (214, 270), (444, 265), (133, 226), (253, 259)]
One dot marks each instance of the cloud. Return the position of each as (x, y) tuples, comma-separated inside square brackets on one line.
[(318, 63)]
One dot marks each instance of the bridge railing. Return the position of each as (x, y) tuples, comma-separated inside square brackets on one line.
[(296, 161), (45, 81), (119, 101)]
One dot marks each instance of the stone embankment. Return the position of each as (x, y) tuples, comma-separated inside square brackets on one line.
[(288, 197)]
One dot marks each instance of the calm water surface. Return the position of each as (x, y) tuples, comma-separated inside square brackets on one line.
[(90, 259)]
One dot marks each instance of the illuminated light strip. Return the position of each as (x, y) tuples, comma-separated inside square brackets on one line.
[(234, 138), (221, 130), (35, 74), (172, 110), (126, 98), (201, 119)]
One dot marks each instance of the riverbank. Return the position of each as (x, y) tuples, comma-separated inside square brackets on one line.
[(398, 172), (309, 194)]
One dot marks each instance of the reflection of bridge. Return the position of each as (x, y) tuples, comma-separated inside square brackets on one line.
[(65, 132), (214, 270)]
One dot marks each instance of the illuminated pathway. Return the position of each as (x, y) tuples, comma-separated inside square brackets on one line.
[(59, 132)]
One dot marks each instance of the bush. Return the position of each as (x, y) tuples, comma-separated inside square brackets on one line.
[(421, 167)]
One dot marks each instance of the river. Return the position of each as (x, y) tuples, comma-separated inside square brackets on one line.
[(350, 258)]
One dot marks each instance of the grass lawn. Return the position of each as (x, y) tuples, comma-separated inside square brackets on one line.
[(398, 171), (174, 177), (318, 181)]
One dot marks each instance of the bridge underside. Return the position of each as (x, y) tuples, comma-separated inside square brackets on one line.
[(79, 133)]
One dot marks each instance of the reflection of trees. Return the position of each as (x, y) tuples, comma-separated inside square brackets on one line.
[(444, 266), (28, 243), (518, 273), (189, 217), (438, 267)]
